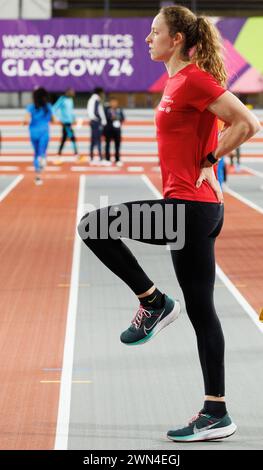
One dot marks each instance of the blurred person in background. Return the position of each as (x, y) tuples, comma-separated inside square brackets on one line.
[(112, 130), (235, 158), (64, 112), (39, 115), (221, 166), (222, 172), (96, 115), (235, 155)]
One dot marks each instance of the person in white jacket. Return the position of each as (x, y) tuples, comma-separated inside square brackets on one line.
[(97, 119)]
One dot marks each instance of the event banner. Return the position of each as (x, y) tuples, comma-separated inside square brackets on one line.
[(78, 53), (112, 53)]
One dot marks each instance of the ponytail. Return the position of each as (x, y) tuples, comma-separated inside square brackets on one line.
[(208, 50)]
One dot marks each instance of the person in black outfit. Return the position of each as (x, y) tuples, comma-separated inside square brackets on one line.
[(112, 130), (97, 119), (235, 154)]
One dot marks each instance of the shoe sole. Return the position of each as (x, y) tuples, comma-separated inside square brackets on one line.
[(172, 316), (210, 435)]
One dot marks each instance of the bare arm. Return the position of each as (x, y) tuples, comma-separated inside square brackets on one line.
[(26, 119), (241, 123), (54, 119)]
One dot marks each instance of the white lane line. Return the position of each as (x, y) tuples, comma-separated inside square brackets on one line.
[(240, 299), (52, 168), (54, 177), (244, 200), (67, 159), (61, 441), (151, 186), (252, 171), (9, 168), (222, 276), (134, 169), (98, 168), (251, 159), (16, 159), (11, 186), (47, 168), (150, 158)]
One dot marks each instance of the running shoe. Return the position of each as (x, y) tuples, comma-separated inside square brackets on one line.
[(96, 161), (147, 323), (42, 162), (80, 158), (204, 427), (38, 181)]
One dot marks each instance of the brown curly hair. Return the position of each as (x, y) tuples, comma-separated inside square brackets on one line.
[(201, 34)]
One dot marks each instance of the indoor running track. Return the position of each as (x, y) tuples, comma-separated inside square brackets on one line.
[(67, 381)]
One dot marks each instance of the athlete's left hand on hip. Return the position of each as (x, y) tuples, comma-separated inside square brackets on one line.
[(208, 174)]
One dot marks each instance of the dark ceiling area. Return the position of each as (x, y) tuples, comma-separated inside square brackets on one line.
[(202, 5)]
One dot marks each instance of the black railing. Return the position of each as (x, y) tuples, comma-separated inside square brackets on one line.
[(155, 4)]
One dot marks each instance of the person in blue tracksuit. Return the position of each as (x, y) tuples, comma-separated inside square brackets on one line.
[(38, 116), (64, 112), (221, 172)]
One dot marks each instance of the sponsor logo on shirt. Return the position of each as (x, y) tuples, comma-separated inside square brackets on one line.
[(167, 109), (167, 99)]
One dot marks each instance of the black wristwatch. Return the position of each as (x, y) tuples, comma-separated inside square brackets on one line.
[(211, 158)]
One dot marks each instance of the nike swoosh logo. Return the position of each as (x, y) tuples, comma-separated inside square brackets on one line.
[(154, 324), (151, 301), (195, 430)]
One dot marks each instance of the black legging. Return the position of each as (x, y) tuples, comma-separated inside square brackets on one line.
[(194, 266), (67, 133), (95, 139), (115, 135)]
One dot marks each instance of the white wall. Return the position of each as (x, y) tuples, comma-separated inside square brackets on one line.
[(30, 9), (9, 9), (36, 9)]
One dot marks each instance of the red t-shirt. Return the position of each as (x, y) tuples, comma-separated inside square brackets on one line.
[(187, 132)]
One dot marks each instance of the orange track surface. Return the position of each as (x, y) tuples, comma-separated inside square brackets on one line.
[(37, 230), (239, 250)]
